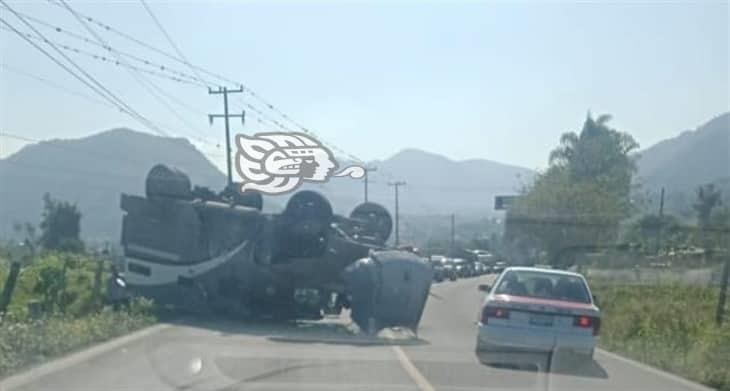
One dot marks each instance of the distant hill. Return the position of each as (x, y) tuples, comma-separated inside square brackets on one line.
[(682, 163), (94, 170), (434, 184)]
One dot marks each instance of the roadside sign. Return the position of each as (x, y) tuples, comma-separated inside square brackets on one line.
[(504, 202)]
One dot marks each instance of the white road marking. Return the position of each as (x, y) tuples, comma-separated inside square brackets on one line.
[(411, 370), (62, 363), (654, 371)]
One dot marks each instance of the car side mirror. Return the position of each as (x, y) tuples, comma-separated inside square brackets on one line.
[(595, 299), (484, 288)]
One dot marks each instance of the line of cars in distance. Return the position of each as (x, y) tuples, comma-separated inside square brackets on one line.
[(528, 311), (452, 269)]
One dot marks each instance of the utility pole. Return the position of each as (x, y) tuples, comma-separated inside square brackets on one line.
[(23, 252), (720, 314), (396, 184), (225, 91), (368, 170), (101, 257), (9, 286), (451, 243), (661, 222)]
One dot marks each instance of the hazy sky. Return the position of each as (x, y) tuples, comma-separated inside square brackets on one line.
[(490, 80)]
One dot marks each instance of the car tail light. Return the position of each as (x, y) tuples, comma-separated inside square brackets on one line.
[(494, 312), (584, 321)]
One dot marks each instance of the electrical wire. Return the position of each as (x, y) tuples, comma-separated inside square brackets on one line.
[(169, 38), (103, 58), (56, 86), (247, 89), (94, 100), (149, 86), (147, 62), (96, 86), (260, 116)]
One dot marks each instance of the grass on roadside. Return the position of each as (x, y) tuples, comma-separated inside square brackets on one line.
[(671, 327), (62, 288), (31, 342)]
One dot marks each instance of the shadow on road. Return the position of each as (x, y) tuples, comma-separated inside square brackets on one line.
[(584, 368), (330, 330), (563, 364)]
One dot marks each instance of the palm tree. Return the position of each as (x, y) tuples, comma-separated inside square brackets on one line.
[(564, 154), (598, 150)]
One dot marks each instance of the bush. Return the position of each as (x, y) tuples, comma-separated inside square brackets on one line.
[(61, 282), (671, 327), (72, 318), (26, 343)]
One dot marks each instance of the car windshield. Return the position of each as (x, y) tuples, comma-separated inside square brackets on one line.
[(542, 285)]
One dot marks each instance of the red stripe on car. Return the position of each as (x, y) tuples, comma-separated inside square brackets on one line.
[(537, 301)]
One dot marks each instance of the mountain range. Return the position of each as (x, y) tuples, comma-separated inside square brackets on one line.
[(94, 170), (682, 163)]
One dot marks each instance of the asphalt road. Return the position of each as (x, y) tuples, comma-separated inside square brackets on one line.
[(325, 355)]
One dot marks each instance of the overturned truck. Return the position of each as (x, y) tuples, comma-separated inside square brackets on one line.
[(195, 250)]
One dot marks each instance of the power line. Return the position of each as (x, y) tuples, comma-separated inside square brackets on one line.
[(127, 65), (283, 127), (140, 80), (67, 90), (104, 45), (103, 58), (143, 44), (147, 84), (67, 69), (56, 86), (119, 61), (169, 39), (190, 79), (79, 37), (98, 86), (91, 99), (94, 100), (248, 90)]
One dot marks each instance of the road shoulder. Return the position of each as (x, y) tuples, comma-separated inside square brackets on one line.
[(61, 363)]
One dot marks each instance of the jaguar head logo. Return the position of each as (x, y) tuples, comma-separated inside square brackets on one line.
[(277, 163)]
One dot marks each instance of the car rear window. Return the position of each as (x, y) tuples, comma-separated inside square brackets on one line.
[(544, 285)]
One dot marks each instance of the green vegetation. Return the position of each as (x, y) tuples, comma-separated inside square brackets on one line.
[(581, 207), (60, 282), (31, 342), (60, 226), (580, 200), (61, 285), (671, 327)]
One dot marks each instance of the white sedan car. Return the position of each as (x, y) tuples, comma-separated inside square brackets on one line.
[(537, 311)]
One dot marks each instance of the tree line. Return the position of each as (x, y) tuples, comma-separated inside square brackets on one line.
[(583, 201)]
